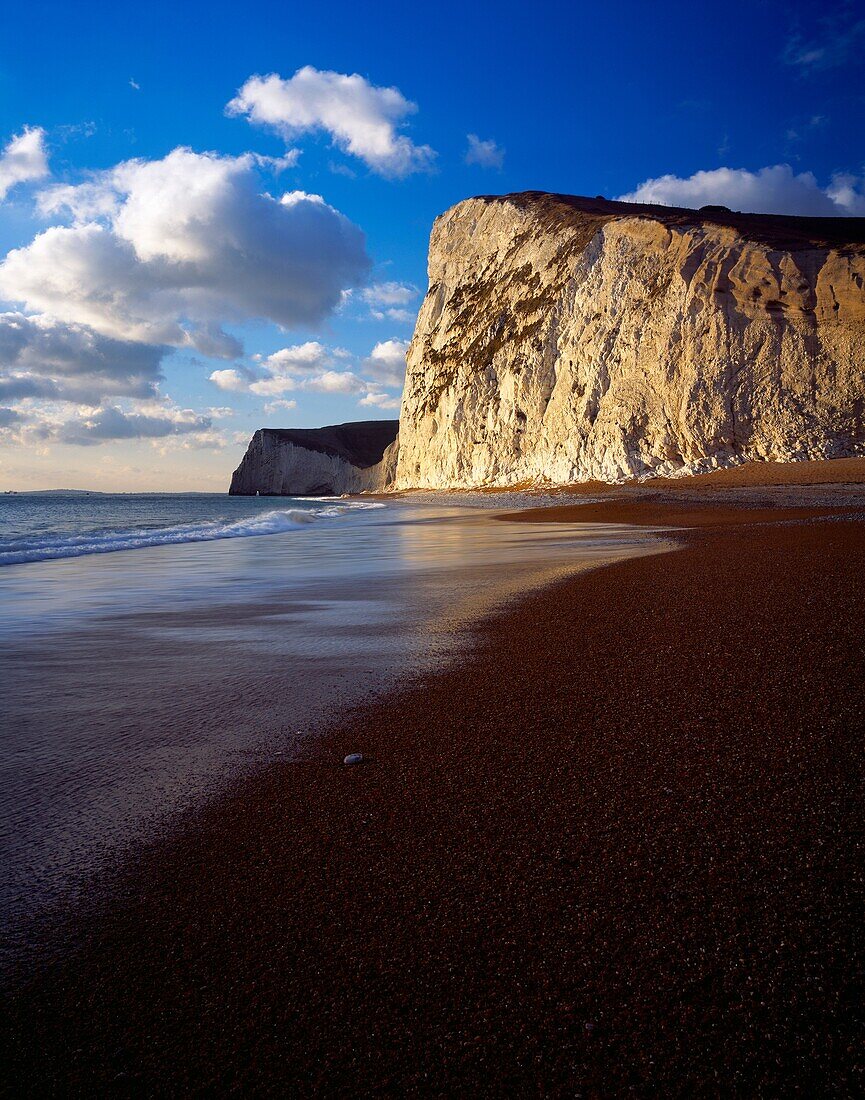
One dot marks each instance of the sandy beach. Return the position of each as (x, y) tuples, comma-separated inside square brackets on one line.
[(615, 850)]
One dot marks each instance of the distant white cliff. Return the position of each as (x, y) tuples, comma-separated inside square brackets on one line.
[(341, 458)]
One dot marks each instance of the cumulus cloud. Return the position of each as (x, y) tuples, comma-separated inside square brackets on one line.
[(386, 362), (302, 359), (485, 154), (333, 381), (308, 366), (281, 405), (314, 367), (111, 423), (40, 357), (389, 294), (166, 252), (23, 159), (380, 400), (388, 301), (848, 194), (43, 423), (296, 367), (233, 379), (772, 190), (272, 385), (361, 118)]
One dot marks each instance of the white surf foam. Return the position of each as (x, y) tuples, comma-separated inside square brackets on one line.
[(54, 545)]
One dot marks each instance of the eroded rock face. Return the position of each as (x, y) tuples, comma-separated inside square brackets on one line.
[(567, 339), (340, 458)]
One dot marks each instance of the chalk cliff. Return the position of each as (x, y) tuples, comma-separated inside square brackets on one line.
[(564, 339), (341, 458)]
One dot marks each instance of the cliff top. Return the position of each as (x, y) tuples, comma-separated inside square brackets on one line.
[(778, 231), (361, 443)]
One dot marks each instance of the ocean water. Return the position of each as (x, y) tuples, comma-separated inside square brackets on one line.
[(48, 526), (153, 648)]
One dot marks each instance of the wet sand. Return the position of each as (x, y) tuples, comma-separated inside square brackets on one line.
[(126, 705), (616, 850), (650, 513)]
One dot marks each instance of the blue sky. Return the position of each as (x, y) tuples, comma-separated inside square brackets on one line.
[(586, 99)]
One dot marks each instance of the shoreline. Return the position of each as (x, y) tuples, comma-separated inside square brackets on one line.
[(618, 833), (256, 645)]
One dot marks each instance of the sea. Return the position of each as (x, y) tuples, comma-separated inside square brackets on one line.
[(155, 648)]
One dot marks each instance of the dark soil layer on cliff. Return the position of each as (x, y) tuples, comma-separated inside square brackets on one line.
[(780, 231), (361, 444), (617, 851)]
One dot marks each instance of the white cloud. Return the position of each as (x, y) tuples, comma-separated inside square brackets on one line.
[(485, 154), (314, 367), (24, 159), (772, 190), (848, 193), (167, 251), (84, 201), (301, 359), (327, 381), (279, 164), (234, 380), (43, 424), (380, 400), (289, 368), (361, 118), (272, 407), (386, 362), (272, 385), (40, 357), (387, 301), (309, 366), (401, 316), (332, 381), (389, 294)]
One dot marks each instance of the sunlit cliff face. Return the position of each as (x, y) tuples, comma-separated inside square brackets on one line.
[(561, 344)]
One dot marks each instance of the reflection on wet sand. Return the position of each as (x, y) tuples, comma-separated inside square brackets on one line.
[(140, 683)]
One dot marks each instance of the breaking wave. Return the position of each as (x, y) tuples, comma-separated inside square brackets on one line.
[(56, 545)]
